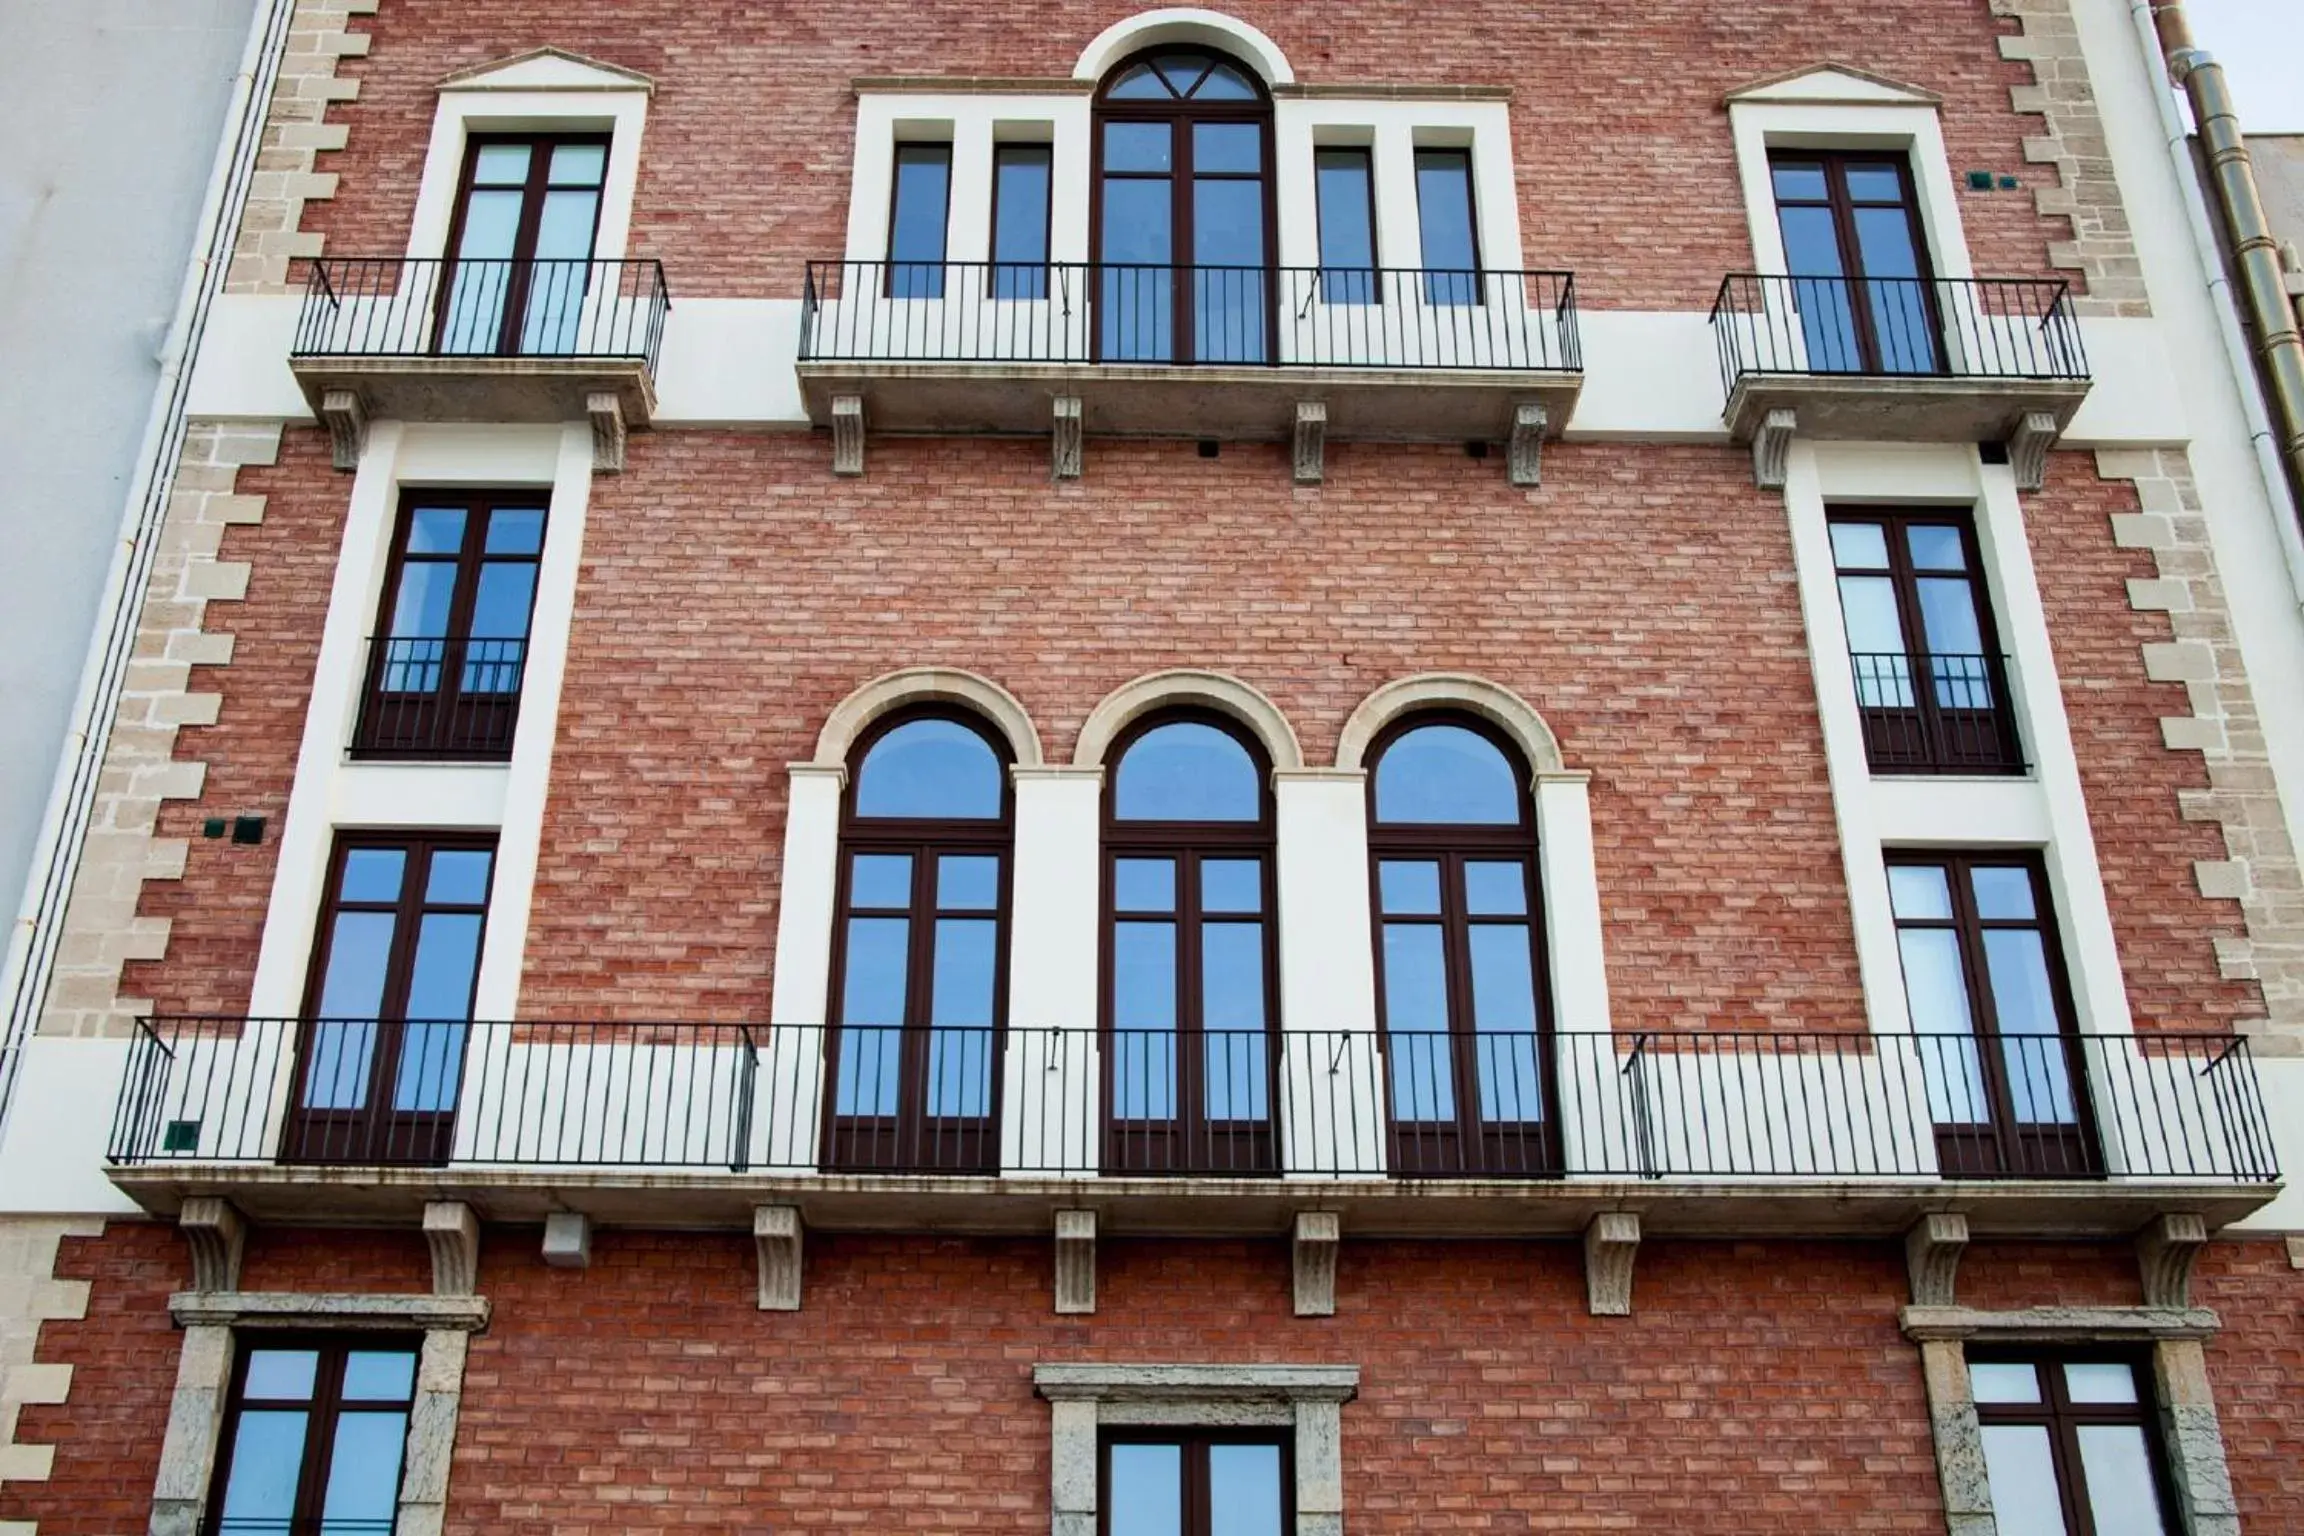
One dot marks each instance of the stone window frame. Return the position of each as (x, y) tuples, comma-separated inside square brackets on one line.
[(213, 1324), (1086, 1399)]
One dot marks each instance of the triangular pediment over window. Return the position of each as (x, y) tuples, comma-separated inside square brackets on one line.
[(548, 69), (1835, 85)]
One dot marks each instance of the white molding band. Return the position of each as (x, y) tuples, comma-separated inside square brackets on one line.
[(1492, 702), (854, 715), (1226, 695), (1184, 24)]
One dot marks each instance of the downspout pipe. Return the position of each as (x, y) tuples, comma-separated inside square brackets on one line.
[(2255, 252)]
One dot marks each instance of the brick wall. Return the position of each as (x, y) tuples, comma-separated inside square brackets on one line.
[(1617, 113)]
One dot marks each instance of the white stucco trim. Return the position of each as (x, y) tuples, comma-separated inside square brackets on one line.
[(1209, 690), (602, 102), (1333, 1101), (1054, 971), (1914, 130), (2044, 810), (853, 716), (1184, 24), (1492, 702)]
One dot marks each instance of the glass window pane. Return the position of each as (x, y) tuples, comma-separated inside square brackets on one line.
[(1802, 182), (501, 165), (1187, 771), (1920, 892), (1244, 1490), (1183, 71), (934, 769), (372, 874), (1811, 244), (1494, 888), (435, 530), (267, 1462), (1446, 774), (491, 233), (1444, 217), (2023, 1476), (1416, 1021), (2123, 1496), (1936, 993), (1146, 1492), (1231, 885), (1936, 548), (1228, 147), (364, 1474), (1868, 608), (1875, 184), (1144, 885), (1232, 975), (1347, 228), (967, 882), (515, 531), (923, 182), (282, 1375), (960, 990), (564, 234), (578, 165), (458, 877), (501, 605), (1141, 83), (359, 952), (447, 958), (1411, 887), (1138, 147), (1020, 190), (1144, 975), (427, 595), (1999, 1382), (2003, 893), (1224, 83), (1948, 616), (1504, 1014), (872, 990), (2100, 1383), (431, 1068), (1228, 231), (1860, 546), (379, 1375), (342, 1055), (882, 880), (2032, 1051)]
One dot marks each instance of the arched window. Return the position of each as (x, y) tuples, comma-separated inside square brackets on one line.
[(920, 947), (1190, 999), (1459, 951), (1183, 217)]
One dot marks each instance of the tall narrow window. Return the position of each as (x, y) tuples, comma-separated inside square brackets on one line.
[(1346, 181), (389, 1002), (1190, 1000), (921, 950), (1858, 262), (1196, 1483), (919, 214), (1020, 187), (2069, 1447), (314, 1437), (1992, 1014), (1183, 178), (520, 251), (1459, 953), (451, 647), (1444, 213), (1929, 678)]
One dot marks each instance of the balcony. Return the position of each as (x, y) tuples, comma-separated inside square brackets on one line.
[(978, 1130), (493, 341), (1936, 714), (1983, 360), (449, 699), (1233, 353)]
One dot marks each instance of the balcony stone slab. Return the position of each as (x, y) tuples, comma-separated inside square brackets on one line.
[(1900, 408), (517, 390)]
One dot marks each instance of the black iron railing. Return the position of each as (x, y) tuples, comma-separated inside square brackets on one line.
[(409, 308), (1936, 714), (453, 698), (1967, 328), (1161, 316), (805, 1099)]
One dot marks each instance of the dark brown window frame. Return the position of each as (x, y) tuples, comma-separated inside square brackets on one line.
[(1452, 845), (1003, 151), (1181, 115), (912, 1141), (1193, 1442), (1253, 1150), (1432, 276), (452, 727), (890, 286), (1998, 1148), (2063, 1419), (2004, 751), (323, 1410), (375, 1133), (523, 257), (1374, 271), (1843, 206)]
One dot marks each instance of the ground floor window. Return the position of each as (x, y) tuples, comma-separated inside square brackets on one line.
[(2069, 1447), (1200, 1483), (315, 1437)]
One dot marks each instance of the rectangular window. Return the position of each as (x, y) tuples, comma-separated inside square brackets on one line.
[(451, 642), (314, 1437), (520, 254), (1346, 183), (1021, 178), (1858, 264), (917, 219), (1215, 1483), (389, 1003), (1444, 213), (1992, 1015), (1930, 682), (2069, 1447)]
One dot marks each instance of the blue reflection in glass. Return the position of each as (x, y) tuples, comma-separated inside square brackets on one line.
[(1232, 1015), (282, 1375), (379, 1375), (1144, 1020), (1444, 215), (372, 874), (458, 877), (960, 1006), (872, 1014), (1136, 294), (2031, 1045), (1020, 186), (1188, 771), (1231, 885), (967, 882), (363, 1490), (916, 233), (880, 880), (1446, 775), (934, 769), (1146, 1490), (1230, 311), (1347, 225), (1422, 1064), (1496, 888), (1411, 887), (267, 1462), (1243, 1490), (1504, 1014), (1144, 885)]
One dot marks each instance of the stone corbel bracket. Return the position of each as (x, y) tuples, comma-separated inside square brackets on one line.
[(2165, 1253), (1772, 447), (2028, 449), (848, 434), (1524, 454), (1067, 452), (1932, 1251), (606, 408), (568, 1240), (776, 1234), (1311, 458), (345, 415), (1075, 1263), (1611, 1244), (453, 1232), (217, 1236), (1319, 1234)]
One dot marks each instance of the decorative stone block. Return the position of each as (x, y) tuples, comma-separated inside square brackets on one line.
[(2165, 1252), (1066, 450), (453, 1232), (1771, 447), (606, 409), (1075, 1263), (776, 1235), (847, 434), (1932, 1251), (217, 1236), (1525, 453), (1611, 1243), (2028, 449), (345, 415), (1318, 1236), (1311, 441), (568, 1240)]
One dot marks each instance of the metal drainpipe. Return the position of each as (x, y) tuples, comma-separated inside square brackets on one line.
[(2256, 254)]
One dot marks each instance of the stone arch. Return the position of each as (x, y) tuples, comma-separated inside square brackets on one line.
[(1228, 696), (1492, 702), (854, 715), (1185, 24)]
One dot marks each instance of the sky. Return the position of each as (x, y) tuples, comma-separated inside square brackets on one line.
[(2260, 43)]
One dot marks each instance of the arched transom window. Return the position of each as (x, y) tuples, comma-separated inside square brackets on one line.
[(920, 948), (1459, 951), (1190, 1000)]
